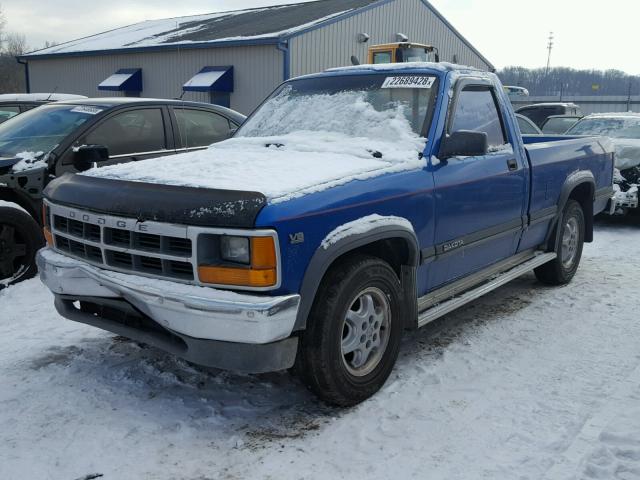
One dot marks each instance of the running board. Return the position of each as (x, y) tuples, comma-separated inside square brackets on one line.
[(499, 280)]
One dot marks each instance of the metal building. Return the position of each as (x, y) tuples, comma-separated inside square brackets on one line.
[(237, 58)]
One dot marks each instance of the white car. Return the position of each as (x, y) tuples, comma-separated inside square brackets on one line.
[(624, 131)]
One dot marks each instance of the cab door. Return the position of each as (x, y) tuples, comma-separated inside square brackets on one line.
[(130, 135), (479, 200)]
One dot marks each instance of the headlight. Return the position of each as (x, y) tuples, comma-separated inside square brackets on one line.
[(238, 261), (235, 249)]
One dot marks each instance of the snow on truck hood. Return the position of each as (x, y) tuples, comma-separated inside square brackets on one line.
[(281, 167)]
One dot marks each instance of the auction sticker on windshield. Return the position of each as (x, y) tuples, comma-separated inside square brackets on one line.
[(409, 81), (87, 109)]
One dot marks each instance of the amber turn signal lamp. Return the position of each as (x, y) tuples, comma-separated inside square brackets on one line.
[(262, 272), (46, 224), (47, 236)]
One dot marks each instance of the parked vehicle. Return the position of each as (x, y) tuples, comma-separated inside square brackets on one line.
[(402, 52), (559, 124), (516, 91), (541, 111), (327, 226), (12, 104), (527, 127), (71, 136), (624, 131)]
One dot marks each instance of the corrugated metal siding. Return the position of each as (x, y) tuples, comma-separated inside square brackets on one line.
[(257, 71), (588, 104), (333, 45)]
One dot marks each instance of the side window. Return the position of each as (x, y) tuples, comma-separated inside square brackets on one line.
[(134, 131), (382, 57), (200, 128), (476, 110), (8, 111)]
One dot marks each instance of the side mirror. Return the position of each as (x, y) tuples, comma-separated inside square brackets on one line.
[(464, 143), (85, 156)]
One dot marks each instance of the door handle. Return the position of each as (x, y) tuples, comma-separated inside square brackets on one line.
[(512, 164)]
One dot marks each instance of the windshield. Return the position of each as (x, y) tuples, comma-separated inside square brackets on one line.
[(559, 125), (615, 127), (40, 130), (374, 107)]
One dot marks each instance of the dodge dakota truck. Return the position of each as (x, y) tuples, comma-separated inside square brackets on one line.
[(352, 205)]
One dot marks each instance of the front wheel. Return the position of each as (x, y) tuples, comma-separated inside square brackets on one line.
[(353, 337), (20, 239), (569, 249)]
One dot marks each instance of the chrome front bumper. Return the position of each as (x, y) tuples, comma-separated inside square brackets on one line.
[(195, 312)]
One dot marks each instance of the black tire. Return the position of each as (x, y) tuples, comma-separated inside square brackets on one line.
[(20, 238), (332, 375), (562, 270)]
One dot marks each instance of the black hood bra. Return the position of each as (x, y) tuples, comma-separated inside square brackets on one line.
[(156, 202)]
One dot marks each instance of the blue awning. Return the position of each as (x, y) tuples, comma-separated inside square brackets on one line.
[(211, 79), (124, 80)]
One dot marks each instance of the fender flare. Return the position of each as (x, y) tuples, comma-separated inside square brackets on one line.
[(323, 259), (31, 205), (573, 181)]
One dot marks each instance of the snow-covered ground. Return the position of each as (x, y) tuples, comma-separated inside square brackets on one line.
[(530, 382)]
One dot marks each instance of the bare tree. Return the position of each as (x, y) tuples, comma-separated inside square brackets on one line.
[(15, 44), (12, 74)]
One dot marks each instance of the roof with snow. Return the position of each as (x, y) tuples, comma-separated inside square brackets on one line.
[(267, 25), (243, 26)]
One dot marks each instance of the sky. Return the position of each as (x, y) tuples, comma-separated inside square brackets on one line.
[(588, 33)]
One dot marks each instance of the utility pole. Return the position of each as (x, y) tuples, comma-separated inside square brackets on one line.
[(629, 96), (550, 48)]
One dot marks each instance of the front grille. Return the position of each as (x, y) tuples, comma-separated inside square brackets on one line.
[(122, 249)]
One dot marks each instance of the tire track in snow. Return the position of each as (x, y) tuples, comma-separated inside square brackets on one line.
[(573, 459)]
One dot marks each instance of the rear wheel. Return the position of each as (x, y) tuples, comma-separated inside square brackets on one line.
[(569, 250), (354, 331), (20, 239)]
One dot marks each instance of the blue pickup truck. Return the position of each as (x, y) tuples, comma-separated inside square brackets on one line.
[(353, 205)]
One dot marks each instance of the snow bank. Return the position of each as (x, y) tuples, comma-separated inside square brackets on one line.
[(363, 225), (292, 147), (29, 161)]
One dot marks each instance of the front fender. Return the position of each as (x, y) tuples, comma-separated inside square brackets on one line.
[(327, 254)]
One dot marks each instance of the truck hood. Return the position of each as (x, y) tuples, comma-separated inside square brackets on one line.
[(627, 152), (281, 168), (159, 203)]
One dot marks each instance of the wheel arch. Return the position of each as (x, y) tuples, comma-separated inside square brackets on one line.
[(394, 244), (9, 195), (581, 187)]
